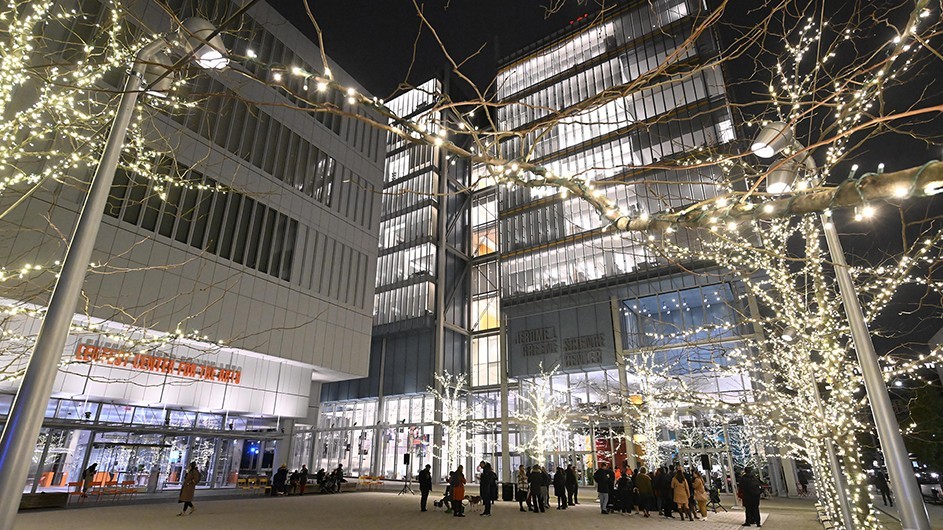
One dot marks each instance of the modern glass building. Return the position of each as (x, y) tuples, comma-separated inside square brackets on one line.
[(617, 101), (421, 322), (229, 284)]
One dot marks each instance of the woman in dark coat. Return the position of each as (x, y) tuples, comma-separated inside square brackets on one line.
[(489, 487), (559, 488), (190, 480)]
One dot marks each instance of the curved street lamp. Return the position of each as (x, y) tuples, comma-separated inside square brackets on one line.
[(149, 72)]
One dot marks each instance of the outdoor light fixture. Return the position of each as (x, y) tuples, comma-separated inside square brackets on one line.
[(773, 138), (150, 71), (157, 77), (779, 180), (790, 334), (208, 52)]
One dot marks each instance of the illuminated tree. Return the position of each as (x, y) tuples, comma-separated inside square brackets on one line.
[(458, 422), (542, 415)]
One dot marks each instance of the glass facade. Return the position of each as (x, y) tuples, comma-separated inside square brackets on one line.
[(144, 446), (561, 102), (534, 252)]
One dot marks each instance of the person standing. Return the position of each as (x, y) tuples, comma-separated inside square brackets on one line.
[(681, 493), (572, 484), (604, 483), (303, 480), (643, 487), (623, 493), (803, 482), (425, 486), (458, 491), (559, 488), (190, 480), (700, 493), (545, 487), (749, 487), (880, 480), (523, 489), (535, 480), (489, 487), (88, 478)]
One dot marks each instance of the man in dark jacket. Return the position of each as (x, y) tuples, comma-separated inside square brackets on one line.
[(880, 480), (604, 484), (489, 487), (302, 480), (750, 490), (425, 486), (572, 485), (536, 481)]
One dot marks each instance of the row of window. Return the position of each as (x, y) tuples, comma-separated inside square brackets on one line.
[(409, 193), (592, 42), (688, 129), (407, 263), (263, 54), (272, 52), (620, 113), (587, 83), (406, 104), (264, 142), (404, 303), (680, 317), (230, 225), (334, 269), (416, 225), (410, 160), (573, 262)]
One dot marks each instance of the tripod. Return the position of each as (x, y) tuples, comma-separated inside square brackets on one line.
[(406, 488), (715, 501)]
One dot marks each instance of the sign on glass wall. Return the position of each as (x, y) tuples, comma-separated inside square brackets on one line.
[(577, 338)]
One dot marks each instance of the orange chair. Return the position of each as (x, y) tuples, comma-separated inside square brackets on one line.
[(129, 488), (75, 489), (111, 489)]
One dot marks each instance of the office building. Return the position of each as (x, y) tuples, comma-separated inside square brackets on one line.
[(254, 240), (550, 286)]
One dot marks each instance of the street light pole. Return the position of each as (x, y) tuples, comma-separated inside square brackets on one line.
[(29, 406), (18, 441), (913, 511)]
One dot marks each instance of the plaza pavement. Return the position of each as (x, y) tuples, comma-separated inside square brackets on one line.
[(384, 510)]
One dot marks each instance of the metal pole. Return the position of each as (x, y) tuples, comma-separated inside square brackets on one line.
[(840, 487), (26, 415), (506, 471), (913, 511)]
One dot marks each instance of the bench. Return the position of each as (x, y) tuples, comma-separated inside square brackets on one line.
[(348, 486), (44, 500)]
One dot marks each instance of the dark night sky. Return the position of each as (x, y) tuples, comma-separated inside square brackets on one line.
[(373, 41)]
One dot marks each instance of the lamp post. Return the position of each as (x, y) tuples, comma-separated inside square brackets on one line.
[(791, 335), (772, 139), (25, 420)]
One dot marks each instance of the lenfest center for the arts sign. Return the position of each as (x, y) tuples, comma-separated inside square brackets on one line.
[(157, 362), (571, 338)]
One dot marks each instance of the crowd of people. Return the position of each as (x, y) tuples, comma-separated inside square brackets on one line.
[(665, 491)]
